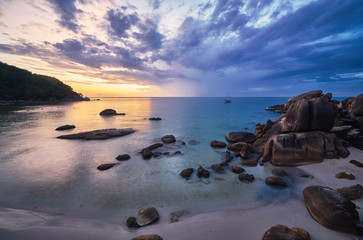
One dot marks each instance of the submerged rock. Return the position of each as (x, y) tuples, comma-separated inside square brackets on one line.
[(278, 172), (65, 127), (147, 216), (245, 177), (237, 169), (353, 192), (193, 142), (99, 134), (105, 166), (148, 237), (275, 181), (168, 139), (186, 173), (217, 144), (123, 157), (175, 216), (332, 210), (217, 167), (132, 223), (345, 175), (146, 152), (281, 232), (240, 137)]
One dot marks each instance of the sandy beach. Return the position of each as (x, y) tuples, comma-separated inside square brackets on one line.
[(231, 222)]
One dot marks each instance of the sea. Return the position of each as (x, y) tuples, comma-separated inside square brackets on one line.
[(40, 172)]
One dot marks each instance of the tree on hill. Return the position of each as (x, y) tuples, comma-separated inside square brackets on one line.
[(20, 84)]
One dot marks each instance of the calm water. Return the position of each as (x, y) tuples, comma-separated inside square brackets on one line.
[(39, 171)]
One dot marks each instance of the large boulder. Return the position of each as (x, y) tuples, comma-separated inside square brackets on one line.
[(355, 105), (238, 146), (332, 210), (295, 149), (281, 232), (240, 137), (317, 114), (307, 96), (99, 134)]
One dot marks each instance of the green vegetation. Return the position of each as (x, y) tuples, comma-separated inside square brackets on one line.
[(20, 84)]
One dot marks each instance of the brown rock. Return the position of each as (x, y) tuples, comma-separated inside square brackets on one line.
[(240, 137), (246, 150), (295, 149), (332, 210), (202, 172), (147, 216), (237, 169), (245, 177), (355, 162), (105, 166), (65, 127), (217, 144), (186, 173), (108, 112), (146, 153), (123, 157), (353, 192), (281, 232), (132, 223), (148, 237), (168, 139), (238, 146), (307, 96), (345, 175), (275, 181), (99, 134), (217, 167)]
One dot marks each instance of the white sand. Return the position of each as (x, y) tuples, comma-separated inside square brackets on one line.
[(230, 223)]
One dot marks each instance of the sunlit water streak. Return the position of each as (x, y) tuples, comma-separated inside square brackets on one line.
[(39, 171)]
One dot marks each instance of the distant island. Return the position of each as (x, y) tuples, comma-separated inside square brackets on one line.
[(21, 85)]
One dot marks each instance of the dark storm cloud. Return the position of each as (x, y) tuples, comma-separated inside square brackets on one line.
[(120, 22), (67, 10), (321, 39)]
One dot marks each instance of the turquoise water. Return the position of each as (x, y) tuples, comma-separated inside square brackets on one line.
[(39, 171)]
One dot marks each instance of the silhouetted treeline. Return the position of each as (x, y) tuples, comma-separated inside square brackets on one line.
[(20, 84)]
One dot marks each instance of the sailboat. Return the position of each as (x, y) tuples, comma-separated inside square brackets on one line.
[(228, 100)]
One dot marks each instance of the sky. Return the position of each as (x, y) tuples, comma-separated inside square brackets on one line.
[(185, 48)]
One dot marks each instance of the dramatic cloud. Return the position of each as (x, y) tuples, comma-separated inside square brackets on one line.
[(246, 46), (67, 10)]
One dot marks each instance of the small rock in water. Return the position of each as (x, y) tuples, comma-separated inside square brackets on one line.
[(148, 237), (245, 177), (353, 192), (132, 223), (281, 232), (186, 173), (147, 216), (157, 154), (305, 175), (217, 168), (174, 216), (65, 127), (155, 118), (177, 153), (202, 172), (275, 181), (237, 169), (345, 175), (166, 153), (240, 137), (105, 166), (217, 144), (356, 163), (146, 153), (108, 112), (123, 157), (168, 139), (278, 172), (224, 164)]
